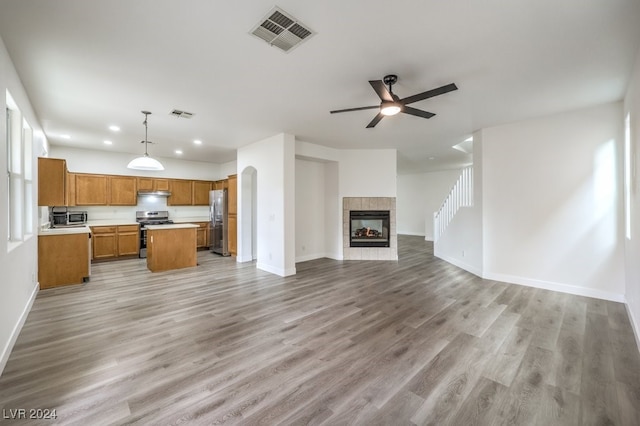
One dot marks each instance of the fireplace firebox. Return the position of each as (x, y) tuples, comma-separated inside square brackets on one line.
[(369, 228)]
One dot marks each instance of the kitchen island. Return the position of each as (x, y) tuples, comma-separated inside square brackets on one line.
[(171, 246)]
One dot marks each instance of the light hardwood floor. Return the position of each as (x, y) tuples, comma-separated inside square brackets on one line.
[(417, 341)]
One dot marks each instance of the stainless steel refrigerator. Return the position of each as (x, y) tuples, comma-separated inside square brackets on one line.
[(218, 237)]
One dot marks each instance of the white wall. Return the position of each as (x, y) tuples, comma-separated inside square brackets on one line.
[(349, 173), (274, 160), (553, 202), (310, 210), (367, 172), (632, 246), (420, 195), (115, 163), (18, 266)]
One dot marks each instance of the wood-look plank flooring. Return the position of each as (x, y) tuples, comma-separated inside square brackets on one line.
[(413, 342)]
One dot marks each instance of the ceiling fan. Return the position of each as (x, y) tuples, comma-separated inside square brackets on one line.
[(391, 104)]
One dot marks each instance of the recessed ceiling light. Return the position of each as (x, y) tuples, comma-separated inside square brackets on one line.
[(65, 136), (108, 142), (114, 128), (179, 151), (197, 142), (432, 158)]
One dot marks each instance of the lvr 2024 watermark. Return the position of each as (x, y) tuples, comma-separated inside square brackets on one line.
[(30, 413)]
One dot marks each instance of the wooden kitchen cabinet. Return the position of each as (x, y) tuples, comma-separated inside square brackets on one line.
[(232, 233), (105, 242), (128, 240), (123, 191), (232, 194), (52, 178), (201, 190), (70, 189), (232, 209), (63, 259), (181, 192), (110, 242), (92, 190), (202, 235), (152, 184)]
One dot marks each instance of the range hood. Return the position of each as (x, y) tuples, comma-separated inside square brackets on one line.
[(145, 192)]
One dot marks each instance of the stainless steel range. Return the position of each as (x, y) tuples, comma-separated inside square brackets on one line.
[(150, 218)]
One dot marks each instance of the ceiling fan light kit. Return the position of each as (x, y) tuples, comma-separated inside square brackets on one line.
[(391, 104), (145, 162), (390, 108)]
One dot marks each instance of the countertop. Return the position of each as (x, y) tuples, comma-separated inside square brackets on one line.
[(64, 231), (116, 222), (174, 226)]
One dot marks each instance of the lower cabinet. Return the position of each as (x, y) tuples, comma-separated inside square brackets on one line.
[(128, 240), (110, 242), (105, 242), (63, 259), (232, 234), (202, 235)]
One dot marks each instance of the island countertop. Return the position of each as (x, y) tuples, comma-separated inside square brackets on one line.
[(171, 226)]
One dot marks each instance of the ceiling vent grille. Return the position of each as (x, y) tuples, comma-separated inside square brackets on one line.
[(181, 114), (281, 30)]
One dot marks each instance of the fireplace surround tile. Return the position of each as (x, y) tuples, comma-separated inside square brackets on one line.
[(370, 253)]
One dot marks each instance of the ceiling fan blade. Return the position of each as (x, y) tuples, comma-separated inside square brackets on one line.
[(354, 109), (381, 90), (417, 112), (430, 94), (375, 120)]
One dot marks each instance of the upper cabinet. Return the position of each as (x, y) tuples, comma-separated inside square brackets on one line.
[(201, 190), (92, 190), (181, 192), (103, 190), (123, 191), (152, 184), (52, 176), (58, 187)]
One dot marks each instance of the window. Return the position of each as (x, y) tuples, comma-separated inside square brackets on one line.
[(19, 174), (627, 177)]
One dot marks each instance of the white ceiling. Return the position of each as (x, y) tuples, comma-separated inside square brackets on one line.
[(89, 64)]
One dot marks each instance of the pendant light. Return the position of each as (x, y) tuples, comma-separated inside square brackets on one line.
[(145, 162)]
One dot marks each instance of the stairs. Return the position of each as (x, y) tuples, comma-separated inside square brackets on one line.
[(461, 195)]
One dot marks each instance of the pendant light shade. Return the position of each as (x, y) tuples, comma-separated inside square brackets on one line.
[(145, 162)]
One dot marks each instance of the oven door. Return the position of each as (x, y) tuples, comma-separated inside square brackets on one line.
[(143, 243)]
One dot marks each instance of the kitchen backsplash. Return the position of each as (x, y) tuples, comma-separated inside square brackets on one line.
[(144, 203)]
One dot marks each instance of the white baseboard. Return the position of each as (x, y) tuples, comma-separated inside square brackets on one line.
[(414, 234), (277, 271), (460, 264), (635, 325), (308, 257), (554, 286), (6, 351)]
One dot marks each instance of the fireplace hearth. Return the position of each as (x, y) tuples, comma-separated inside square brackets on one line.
[(369, 228)]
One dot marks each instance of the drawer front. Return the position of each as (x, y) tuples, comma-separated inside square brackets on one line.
[(103, 229), (128, 228)]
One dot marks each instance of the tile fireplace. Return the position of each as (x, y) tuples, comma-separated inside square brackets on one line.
[(369, 228)]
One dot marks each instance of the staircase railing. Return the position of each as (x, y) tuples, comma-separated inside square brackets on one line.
[(461, 195)]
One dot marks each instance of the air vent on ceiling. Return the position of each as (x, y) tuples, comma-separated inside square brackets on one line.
[(281, 30), (181, 114)]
